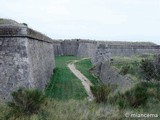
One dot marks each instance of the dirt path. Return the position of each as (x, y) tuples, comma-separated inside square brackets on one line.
[(86, 83)]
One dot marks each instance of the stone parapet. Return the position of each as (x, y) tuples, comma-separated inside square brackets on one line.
[(22, 31)]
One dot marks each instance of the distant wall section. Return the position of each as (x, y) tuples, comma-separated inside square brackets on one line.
[(75, 47), (70, 47), (89, 48), (57, 45)]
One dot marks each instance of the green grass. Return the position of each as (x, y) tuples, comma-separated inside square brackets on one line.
[(84, 110), (3, 109), (84, 66), (64, 84), (133, 62), (79, 110), (70, 110), (153, 101), (62, 61)]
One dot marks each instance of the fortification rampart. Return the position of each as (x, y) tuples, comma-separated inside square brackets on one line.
[(88, 48), (75, 47), (26, 59), (27, 56), (70, 47), (130, 50), (57, 48)]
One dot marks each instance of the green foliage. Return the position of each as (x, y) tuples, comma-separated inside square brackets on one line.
[(146, 56), (147, 69), (134, 97), (84, 67), (3, 110), (145, 66), (101, 93), (124, 69), (153, 89), (156, 63), (127, 65), (150, 68), (26, 102), (78, 110), (137, 96), (72, 110)]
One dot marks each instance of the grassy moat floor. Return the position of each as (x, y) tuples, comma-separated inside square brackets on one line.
[(64, 85), (67, 98)]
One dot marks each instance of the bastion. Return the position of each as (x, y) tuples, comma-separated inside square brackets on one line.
[(26, 58)]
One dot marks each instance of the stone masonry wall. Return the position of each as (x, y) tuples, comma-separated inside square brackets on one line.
[(88, 48), (109, 75), (70, 47), (41, 58), (26, 59), (57, 48), (102, 54), (14, 65), (75, 47), (130, 50)]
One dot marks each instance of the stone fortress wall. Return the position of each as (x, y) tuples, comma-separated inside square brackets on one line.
[(88, 48), (26, 58), (109, 75), (130, 50), (101, 52), (75, 47), (57, 48)]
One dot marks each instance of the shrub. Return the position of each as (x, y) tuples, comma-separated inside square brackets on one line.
[(25, 24), (101, 93), (137, 96), (134, 97), (156, 63), (153, 89), (147, 69), (150, 69), (26, 102), (125, 69)]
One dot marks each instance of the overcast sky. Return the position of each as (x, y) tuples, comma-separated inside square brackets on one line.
[(120, 20)]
